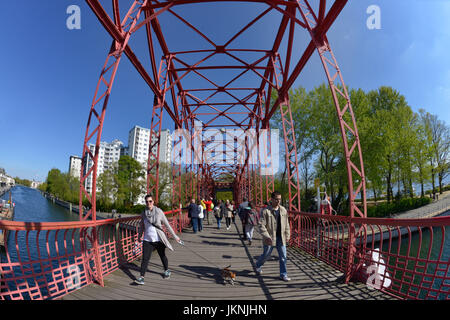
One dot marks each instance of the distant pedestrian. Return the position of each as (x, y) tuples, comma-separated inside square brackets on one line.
[(193, 212), (275, 230), (240, 212), (209, 206), (200, 216), (228, 213), (251, 220), (150, 226), (218, 213), (234, 212)]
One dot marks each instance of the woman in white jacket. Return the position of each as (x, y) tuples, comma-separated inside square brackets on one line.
[(154, 237)]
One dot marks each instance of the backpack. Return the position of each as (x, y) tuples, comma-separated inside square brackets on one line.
[(252, 217), (217, 212)]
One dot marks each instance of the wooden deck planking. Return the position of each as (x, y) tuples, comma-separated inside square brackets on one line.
[(194, 278)]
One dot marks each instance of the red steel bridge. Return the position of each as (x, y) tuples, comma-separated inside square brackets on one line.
[(221, 124)]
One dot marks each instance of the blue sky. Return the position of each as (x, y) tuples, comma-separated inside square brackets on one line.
[(48, 73)]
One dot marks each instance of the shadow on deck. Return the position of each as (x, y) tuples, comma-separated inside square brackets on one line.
[(196, 274)]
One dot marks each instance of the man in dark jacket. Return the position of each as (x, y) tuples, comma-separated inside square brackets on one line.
[(240, 212), (193, 212)]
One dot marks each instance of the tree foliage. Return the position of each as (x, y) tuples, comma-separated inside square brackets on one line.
[(62, 185), (400, 147)]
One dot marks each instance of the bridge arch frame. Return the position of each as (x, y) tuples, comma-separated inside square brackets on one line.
[(277, 77)]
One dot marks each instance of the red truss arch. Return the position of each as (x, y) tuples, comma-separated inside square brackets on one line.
[(188, 90)]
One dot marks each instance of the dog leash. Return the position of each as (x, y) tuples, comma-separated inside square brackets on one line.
[(198, 255), (182, 243)]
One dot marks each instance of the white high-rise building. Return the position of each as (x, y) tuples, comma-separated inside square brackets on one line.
[(75, 166), (138, 145), (109, 154), (165, 148), (138, 148)]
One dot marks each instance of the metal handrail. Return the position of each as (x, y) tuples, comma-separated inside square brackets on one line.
[(47, 260)]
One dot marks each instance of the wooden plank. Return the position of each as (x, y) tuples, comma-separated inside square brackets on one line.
[(196, 274)]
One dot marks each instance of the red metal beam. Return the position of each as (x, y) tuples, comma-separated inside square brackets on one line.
[(118, 36), (320, 31)]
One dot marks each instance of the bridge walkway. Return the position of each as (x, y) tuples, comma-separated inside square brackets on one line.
[(194, 278)]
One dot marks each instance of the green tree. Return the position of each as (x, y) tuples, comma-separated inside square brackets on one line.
[(62, 185), (165, 184), (107, 185), (423, 150), (131, 183), (324, 128), (24, 182), (387, 107)]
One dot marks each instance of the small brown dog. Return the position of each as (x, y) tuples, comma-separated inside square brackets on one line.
[(228, 275)]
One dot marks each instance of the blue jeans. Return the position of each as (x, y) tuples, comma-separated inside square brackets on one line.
[(218, 222), (194, 224), (267, 250), (200, 224)]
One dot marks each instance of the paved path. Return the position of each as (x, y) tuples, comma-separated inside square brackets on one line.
[(433, 209), (194, 278)]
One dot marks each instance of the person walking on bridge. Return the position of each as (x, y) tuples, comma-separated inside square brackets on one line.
[(150, 226), (275, 230), (250, 219), (228, 213), (218, 213), (209, 207), (240, 212), (201, 215), (193, 212)]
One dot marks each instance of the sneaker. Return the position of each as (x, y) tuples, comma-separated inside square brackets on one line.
[(258, 271), (285, 278), (166, 274), (139, 280), (249, 242)]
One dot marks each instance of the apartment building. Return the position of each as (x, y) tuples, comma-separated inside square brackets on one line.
[(138, 144), (109, 154), (75, 166)]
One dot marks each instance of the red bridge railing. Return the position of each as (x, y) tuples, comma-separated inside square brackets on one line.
[(408, 259), (47, 260), (405, 258)]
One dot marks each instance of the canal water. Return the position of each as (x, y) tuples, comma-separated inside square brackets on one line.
[(420, 253), (31, 206)]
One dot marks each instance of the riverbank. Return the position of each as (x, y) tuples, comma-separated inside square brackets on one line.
[(6, 213), (75, 209), (435, 208), (4, 190)]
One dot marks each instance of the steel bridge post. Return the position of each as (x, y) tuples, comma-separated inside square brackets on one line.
[(155, 131), (153, 156), (101, 98), (291, 155), (347, 123)]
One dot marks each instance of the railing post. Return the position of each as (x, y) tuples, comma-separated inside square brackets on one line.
[(319, 231), (119, 248), (351, 252), (97, 258)]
